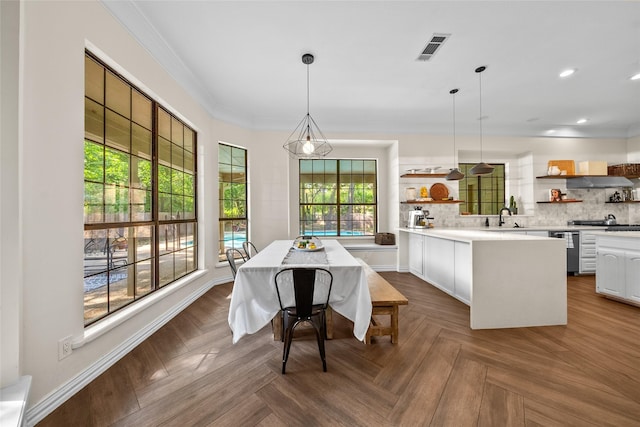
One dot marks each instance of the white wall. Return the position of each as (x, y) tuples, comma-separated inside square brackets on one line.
[(10, 252), (52, 184)]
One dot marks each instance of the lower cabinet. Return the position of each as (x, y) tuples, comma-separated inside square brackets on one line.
[(618, 272), (416, 254), (447, 266)]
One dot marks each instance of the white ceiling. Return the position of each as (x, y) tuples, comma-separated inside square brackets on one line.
[(242, 61)]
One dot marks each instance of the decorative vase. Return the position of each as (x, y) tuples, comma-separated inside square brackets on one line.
[(410, 193)]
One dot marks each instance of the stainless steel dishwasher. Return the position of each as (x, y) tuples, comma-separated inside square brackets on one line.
[(572, 239)]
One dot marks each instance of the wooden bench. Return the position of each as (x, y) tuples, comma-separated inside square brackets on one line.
[(385, 300)]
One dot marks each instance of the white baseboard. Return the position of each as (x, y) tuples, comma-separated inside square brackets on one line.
[(39, 411), (383, 267)]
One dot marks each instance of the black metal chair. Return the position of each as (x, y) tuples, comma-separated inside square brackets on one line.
[(306, 300), (249, 249), (231, 257)]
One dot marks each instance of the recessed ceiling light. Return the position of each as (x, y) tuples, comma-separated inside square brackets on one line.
[(581, 121), (636, 77), (568, 72)]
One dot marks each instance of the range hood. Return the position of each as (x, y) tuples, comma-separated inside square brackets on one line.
[(599, 182)]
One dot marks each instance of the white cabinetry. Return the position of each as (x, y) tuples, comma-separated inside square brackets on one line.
[(463, 274), (416, 252), (440, 263), (494, 275), (632, 282), (587, 253), (618, 266), (610, 279)]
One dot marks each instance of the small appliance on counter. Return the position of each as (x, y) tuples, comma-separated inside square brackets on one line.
[(419, 219)]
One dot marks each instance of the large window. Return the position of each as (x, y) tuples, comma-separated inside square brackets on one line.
[(139, 194), (232, 194), (482, 194), (338, 197)]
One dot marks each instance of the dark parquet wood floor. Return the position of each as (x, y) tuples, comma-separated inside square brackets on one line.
[(441, 373)]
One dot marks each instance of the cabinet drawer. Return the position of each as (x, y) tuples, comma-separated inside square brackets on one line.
[(588, 265), (588, 238), (588, 252)]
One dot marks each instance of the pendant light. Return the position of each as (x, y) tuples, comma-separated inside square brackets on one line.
[(307, 140), (481, 168), (454, 174)]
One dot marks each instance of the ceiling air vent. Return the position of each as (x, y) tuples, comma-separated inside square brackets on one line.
[(433, 46)]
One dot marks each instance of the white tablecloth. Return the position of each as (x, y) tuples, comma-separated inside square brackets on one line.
[(254, 301)]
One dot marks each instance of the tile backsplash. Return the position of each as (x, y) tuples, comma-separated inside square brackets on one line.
[(593, 206)]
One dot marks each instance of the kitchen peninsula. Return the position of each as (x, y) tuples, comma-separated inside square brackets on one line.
[(508, 280)]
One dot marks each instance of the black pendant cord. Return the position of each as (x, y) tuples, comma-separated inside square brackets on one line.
[(308, 114), (479, 70), (454, 91)]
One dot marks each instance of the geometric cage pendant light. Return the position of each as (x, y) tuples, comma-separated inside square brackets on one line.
[(307, 140), (481, 168), (454, 174)]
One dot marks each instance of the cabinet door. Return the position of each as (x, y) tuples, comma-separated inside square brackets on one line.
[(462, 272), (632, 261), (610, 276), (439, 263), (416, 254)]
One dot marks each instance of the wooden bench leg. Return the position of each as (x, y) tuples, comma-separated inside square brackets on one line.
[(329, 322), (276, 326), (394, 325)]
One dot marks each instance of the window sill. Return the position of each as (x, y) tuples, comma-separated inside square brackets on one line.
[(103, 326)]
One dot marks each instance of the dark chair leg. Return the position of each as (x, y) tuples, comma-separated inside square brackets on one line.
[(320, 333), (288, 337)]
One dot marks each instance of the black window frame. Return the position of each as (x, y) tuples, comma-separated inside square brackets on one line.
[(133, 244)]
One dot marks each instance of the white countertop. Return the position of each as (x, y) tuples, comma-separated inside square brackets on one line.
[(470, 235), (621, 234), (520, 229)]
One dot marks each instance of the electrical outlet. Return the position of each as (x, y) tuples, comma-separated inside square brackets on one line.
[(64, 347)]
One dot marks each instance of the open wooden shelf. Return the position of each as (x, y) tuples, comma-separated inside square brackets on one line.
[(561, 202), (423, 175), (423, 202)]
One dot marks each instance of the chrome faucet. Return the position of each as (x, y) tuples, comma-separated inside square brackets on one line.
[(501, 221)]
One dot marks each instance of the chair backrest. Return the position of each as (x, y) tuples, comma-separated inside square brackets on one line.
[(305, 287), (249, 249), (231, 257)]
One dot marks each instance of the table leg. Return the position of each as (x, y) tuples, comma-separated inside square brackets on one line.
[(329, 325), (276, 326)]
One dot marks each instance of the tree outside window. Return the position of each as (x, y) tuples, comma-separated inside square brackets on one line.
[(482, 194), (232, 195), (140, 222), (338, 197)]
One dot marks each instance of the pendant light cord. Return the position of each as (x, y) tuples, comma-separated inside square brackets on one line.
[(480, 81), (307, 89), (453, 92)]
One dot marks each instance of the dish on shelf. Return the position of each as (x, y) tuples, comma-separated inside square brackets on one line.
[(413, 171), (432, 169), (439, 191)]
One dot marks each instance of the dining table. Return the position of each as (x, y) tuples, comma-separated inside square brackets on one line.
[(254, 300)]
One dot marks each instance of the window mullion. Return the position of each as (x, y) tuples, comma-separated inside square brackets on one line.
[(154, 196)]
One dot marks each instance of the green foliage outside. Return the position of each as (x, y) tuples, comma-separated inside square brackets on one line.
[(111, 176)]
